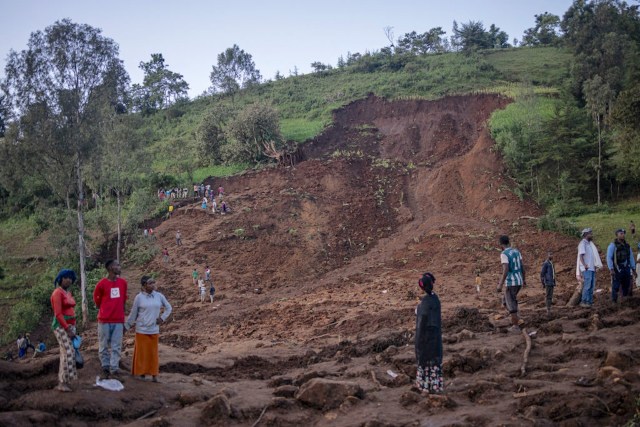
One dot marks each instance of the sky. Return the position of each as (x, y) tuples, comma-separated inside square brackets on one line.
[(279, 34)]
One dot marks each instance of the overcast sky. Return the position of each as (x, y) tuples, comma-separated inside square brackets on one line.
[(280, 34)]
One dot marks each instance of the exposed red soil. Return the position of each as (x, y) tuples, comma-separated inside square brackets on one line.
[(316, 270)]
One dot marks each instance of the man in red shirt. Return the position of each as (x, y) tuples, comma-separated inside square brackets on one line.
[(110, 296)]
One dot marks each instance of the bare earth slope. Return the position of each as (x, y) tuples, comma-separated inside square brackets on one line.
[(316, 270)]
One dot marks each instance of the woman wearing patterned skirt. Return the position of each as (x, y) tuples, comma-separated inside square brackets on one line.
[(145, 314), (64, 327), (428, 339)]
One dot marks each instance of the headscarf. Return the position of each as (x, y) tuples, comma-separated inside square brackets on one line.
[(64, 273), (426, 282)]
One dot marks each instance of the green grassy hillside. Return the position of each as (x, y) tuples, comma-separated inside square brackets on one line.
[(305, 102)]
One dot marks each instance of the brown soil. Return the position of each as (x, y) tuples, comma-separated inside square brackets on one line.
[(316, 270)]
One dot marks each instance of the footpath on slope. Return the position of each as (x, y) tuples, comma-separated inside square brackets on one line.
[(316, 270)]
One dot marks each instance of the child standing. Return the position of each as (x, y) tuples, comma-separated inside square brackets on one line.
[(548, 279)]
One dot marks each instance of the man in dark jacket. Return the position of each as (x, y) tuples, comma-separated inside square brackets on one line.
[(548, 279)]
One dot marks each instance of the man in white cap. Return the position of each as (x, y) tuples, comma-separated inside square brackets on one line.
[(587, 267)]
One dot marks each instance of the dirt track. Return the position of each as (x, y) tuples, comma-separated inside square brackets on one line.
[(316, 270)]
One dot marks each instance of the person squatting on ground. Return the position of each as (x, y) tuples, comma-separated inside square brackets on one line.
[(145, 315), (622, 266), (548, 279), (110, 297), (64, 327), (428, 340), (588, 262), (513, 276)]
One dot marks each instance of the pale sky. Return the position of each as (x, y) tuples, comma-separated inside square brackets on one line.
[(279, 34)]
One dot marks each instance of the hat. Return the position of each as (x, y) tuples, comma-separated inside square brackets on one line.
[(587, 231), (620, 230)]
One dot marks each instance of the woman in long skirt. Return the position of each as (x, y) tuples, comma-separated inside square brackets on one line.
[(145, 314), (64, 327), (428, 340)]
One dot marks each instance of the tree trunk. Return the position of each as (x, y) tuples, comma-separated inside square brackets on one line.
[(118, 198), (81, 247), (599, 157)]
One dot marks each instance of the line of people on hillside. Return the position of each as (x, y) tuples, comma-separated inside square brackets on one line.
[(150, 310), (203, 284)]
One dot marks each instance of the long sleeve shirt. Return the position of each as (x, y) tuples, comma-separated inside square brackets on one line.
[(610, 254), (548, 274), (145, 312), (110, 297)]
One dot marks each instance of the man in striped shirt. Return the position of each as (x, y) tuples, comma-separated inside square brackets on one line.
[(513, 278)]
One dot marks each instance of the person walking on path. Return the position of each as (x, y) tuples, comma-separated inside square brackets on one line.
[(145, 315), (194, 276), (548, 279), (212, 292), (513, 277), (178, 238), (165, 255), (64, 327), (588, 262), (622, 266), (203, 289), (428, 339), (110, 297)]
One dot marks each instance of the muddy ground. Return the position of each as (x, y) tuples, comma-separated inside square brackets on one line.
[(316, 271)]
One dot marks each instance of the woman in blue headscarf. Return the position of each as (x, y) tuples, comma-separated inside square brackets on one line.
[(64, 327)]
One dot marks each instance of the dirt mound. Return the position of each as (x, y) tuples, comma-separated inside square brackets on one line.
[(316, 270)]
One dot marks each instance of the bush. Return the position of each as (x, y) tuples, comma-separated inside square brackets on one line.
[(141, 251), (561, 225)]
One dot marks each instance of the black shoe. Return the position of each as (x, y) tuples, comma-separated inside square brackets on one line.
[(105, 374)]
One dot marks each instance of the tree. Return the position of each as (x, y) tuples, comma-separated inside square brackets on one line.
[(4, 114), (252, 127), (472, 36), (599, 97), (498, 39), (59, 85), (211, 135), (278, 76), (603, 37), (544, 33), (120, 160), (160, 88), (319, 66), (235, 69), (421, 44)]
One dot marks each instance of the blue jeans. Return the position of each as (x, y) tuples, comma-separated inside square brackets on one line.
[(110, 339), (588, 287)]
